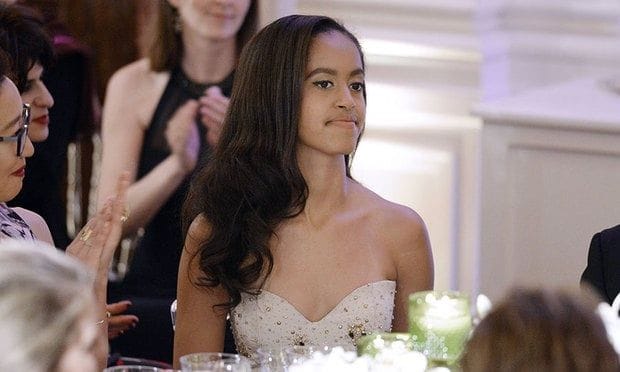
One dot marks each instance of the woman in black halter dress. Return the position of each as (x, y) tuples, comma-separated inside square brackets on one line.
[(160, 119)]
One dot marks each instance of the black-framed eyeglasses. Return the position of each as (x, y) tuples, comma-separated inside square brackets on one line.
[(22, 134)]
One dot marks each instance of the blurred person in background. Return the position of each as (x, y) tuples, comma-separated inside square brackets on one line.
[(161, 116), (49, 320), (96, 242), (602, 272), (29, 53), (540, 330), (59, 87)]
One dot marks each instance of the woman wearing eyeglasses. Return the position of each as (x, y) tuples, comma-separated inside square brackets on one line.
[(29, 50), (96, 242), (14, 149), (19, 222)]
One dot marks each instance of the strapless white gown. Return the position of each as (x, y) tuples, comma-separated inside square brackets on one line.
[(270, 321)]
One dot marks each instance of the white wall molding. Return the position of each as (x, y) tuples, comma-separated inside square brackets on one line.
[(536, 43), (561, 17), (430, 16)]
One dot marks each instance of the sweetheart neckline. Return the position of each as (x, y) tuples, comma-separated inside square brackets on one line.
[(330, 311)]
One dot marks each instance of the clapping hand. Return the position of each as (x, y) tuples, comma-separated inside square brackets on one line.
[(95, 244), (182, 135), (213, 106)]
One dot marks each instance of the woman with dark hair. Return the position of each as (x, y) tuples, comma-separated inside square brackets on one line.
[(39, 60), (540, 330), (29, 52), (279, 235), (96, 242), (24, 39), (150, 125)]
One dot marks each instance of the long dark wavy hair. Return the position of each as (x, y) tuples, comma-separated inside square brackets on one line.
[(253, 182)]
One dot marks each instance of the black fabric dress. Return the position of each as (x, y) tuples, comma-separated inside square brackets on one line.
[(151, 281)]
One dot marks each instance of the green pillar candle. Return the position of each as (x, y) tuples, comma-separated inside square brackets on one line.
[(439, 324)]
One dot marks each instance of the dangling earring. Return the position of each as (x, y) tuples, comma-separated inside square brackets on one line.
[(178, 26)]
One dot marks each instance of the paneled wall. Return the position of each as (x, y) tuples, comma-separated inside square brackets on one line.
[(551, 127), (551, 170)]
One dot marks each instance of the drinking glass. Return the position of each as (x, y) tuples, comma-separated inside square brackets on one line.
[(439, 323), (133, 369), (215, 362), (270, 360), (298, 354)]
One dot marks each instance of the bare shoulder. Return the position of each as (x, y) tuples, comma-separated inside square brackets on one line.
[(402, 233), (198, 232), (393, 218), (137, 77), (36, 223), (133, 91)]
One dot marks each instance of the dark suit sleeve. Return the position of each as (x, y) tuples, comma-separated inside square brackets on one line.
[(593, 274)]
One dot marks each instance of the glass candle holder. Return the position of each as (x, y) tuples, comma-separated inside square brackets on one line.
[(376, 343), (215, 362), (439, 323)]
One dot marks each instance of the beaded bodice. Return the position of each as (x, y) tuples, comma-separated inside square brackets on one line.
[(269, 321)]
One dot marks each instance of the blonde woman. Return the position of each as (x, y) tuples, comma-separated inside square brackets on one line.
[(49, 319)]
